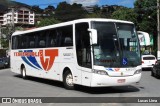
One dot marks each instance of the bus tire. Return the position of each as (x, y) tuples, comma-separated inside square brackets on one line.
[(152, 73), (68, 80), (23, 72)]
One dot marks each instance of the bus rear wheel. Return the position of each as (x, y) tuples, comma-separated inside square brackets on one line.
[(68, 80), (23, 73)]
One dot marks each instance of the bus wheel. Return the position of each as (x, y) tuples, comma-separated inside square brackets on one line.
[(23, 72), (68, 80), (152, 73)]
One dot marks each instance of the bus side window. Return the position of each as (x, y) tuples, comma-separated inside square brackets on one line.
[(22, 42), (51, 38), (31, 39), (31, 44), (65, 36), (68, 41), (41, 39), (14, 42), (42, 43), (53, 42)]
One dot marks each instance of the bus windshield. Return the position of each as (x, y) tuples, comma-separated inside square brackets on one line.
[(117, 46)]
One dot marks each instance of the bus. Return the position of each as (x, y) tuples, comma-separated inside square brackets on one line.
[(144, 38), (89, 52)]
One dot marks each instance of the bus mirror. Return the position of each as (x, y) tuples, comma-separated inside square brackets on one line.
[(93, 35)]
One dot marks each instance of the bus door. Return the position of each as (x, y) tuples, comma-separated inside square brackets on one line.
[(83, 52)]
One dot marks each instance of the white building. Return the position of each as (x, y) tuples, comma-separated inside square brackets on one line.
[(22, 15), (89, 9)]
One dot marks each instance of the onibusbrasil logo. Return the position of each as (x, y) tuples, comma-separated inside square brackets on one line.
[(46, 58)]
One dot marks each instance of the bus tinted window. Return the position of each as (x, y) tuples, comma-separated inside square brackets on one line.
[(41, 39), (23, 42), (57, 37), (65, 36), (31, 40), (51, 38), (14, 42)]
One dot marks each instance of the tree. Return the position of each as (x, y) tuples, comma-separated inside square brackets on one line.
[(4, 43), (50, 9), (5, 36), (125, 14), (37, 9), (47, 21), (147, 15), (67, 12), (95, 15), (146, 11), (96, 9)]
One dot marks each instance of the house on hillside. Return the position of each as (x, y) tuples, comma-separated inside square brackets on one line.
[(22, 16)]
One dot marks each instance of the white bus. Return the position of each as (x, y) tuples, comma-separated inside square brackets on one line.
[(89, 52)]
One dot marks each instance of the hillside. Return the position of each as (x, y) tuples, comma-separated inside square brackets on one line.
[(5, 4)]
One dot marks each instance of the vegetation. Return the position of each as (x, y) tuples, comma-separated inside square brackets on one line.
[(125, 14), (67, 12), (147, 15), (143, 14), (147, 19), (47, 21)]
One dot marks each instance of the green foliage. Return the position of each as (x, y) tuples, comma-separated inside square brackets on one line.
[(146, 12), (95, 15), (6, 32), (67, 12), (147, 18), (125, 14), (2, 53), (47, 21), (4, 43)]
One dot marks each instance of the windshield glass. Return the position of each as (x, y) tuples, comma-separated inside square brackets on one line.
[(117, 46)]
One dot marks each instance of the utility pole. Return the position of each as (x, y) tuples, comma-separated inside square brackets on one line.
[(12, 29), (12, 18), (158, 29)]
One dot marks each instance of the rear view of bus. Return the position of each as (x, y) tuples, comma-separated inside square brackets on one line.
[(116, 54)]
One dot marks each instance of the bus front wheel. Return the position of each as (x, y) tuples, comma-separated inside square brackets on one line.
[(68, 80)]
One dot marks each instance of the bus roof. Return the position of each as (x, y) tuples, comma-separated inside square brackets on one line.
[(69, 23)]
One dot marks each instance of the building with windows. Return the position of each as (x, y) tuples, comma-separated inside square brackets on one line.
[(1, 18), (89, 9), (22, 15)]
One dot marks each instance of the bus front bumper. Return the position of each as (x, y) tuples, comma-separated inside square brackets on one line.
[(105, 80)]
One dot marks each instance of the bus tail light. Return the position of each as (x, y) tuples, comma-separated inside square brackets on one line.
[(142, 62)]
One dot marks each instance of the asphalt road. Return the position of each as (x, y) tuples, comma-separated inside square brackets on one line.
[(12, 85)]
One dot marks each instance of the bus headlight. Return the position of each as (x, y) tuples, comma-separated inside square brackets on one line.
[(138, 71), (101, 72)]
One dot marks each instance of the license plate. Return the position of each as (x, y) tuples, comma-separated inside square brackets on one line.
[(121, 80)]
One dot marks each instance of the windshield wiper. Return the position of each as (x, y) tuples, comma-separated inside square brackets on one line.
[(116, 54)]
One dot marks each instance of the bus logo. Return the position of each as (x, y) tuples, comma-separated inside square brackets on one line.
[(124, 61), (49, 60), (46, 57)]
